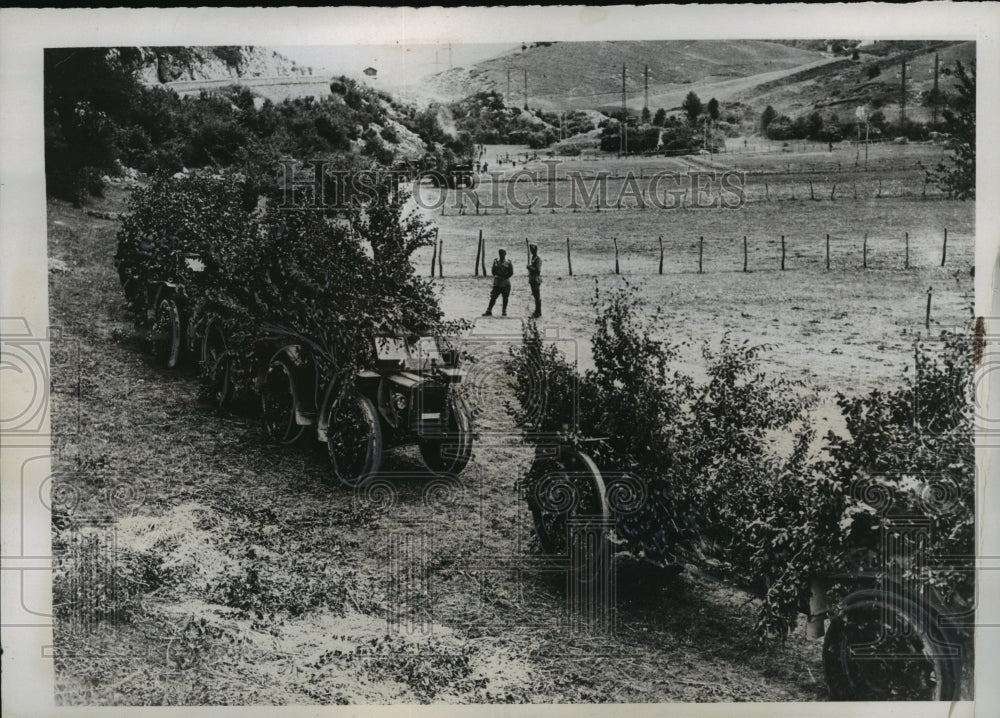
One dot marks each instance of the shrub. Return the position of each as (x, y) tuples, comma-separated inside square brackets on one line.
[(713, 487)]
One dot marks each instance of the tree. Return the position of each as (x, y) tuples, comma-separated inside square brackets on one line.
[(767, 117), (645, 115), (660, 117), (959, 179), (814, 126), (692, 107), (713, 109)]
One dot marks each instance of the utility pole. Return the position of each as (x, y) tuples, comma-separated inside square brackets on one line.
[(645, 84), (902, 94), (450, 64), (525, 88), (624, 135), (937, 97), (508, 87)]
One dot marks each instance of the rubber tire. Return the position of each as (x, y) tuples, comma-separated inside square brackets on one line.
[(167, 343), (844, 674), (277, 384), (217, 362), (372, 460), (458, 443), (575, 467)]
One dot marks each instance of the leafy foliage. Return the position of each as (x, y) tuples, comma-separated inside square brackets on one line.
[(729, 472), (338, 281), (959, 179)]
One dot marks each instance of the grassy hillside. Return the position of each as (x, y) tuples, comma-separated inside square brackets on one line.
[(587, 75)]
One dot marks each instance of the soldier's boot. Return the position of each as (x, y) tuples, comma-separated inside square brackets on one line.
[(505, 306), (538, 309), (489, 309)]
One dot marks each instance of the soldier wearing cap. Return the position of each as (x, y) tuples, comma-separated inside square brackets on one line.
[(503, 270), (535, 278)]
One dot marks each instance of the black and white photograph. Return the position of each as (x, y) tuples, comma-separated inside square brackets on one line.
[(500, 356)]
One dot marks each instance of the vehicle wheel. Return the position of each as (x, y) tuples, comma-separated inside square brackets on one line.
[(166, 334), (278, 405), (565, 485), (450, 455), (217, 363), (354, 440), (883, 647)]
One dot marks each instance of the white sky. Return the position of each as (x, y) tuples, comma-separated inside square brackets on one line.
[(397, 64)]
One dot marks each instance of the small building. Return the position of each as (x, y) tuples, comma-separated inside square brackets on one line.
[(370, 71)]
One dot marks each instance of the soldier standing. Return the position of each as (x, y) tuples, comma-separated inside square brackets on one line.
[(503, 270), (535, 278)]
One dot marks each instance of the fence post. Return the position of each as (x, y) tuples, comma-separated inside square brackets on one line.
[(855, 185), (864, 252), (701, 251), (879, 189), (744, 253), (811, 195), (833, 191), (479, 252), (440, 256), (944, 247), (615, 240), (435, 255), (661, 254), (767, 192), (927, 317), (484, 256), (569, 259), (827, 251), (906, 255), (782, 252)]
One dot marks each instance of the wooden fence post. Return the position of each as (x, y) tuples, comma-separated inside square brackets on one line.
[(827, 251), (744, 253), (615, 240), (906, 255), (701, 251), (435, 255), (479, 252), (782, 252), (569, 259), (879, 189), (927, 317), (661, 254), (440, 254), (767, 192), (811, 195), (944, 247), (855, 185), (864, 252), (833, 191)]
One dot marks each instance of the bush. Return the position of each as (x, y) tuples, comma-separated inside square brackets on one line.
[(714, 489)]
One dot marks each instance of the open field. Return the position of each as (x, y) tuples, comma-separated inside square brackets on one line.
[(252, 578)]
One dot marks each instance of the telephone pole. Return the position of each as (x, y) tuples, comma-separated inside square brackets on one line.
[(525, 88), (902, 94), (645, 79), (624, 135), (937, 97), (508, 87)]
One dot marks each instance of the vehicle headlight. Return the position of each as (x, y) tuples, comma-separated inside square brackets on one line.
[(399, 401)]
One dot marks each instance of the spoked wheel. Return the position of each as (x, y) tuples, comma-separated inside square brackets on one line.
[(217, 362), (278, 405), (166, 334), (449, 453), (883, 647), (354, 440), (566, 490)]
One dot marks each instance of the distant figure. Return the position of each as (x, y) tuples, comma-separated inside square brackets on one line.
[(502, 271), (535, 278), (486, 167), (831, 145)]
